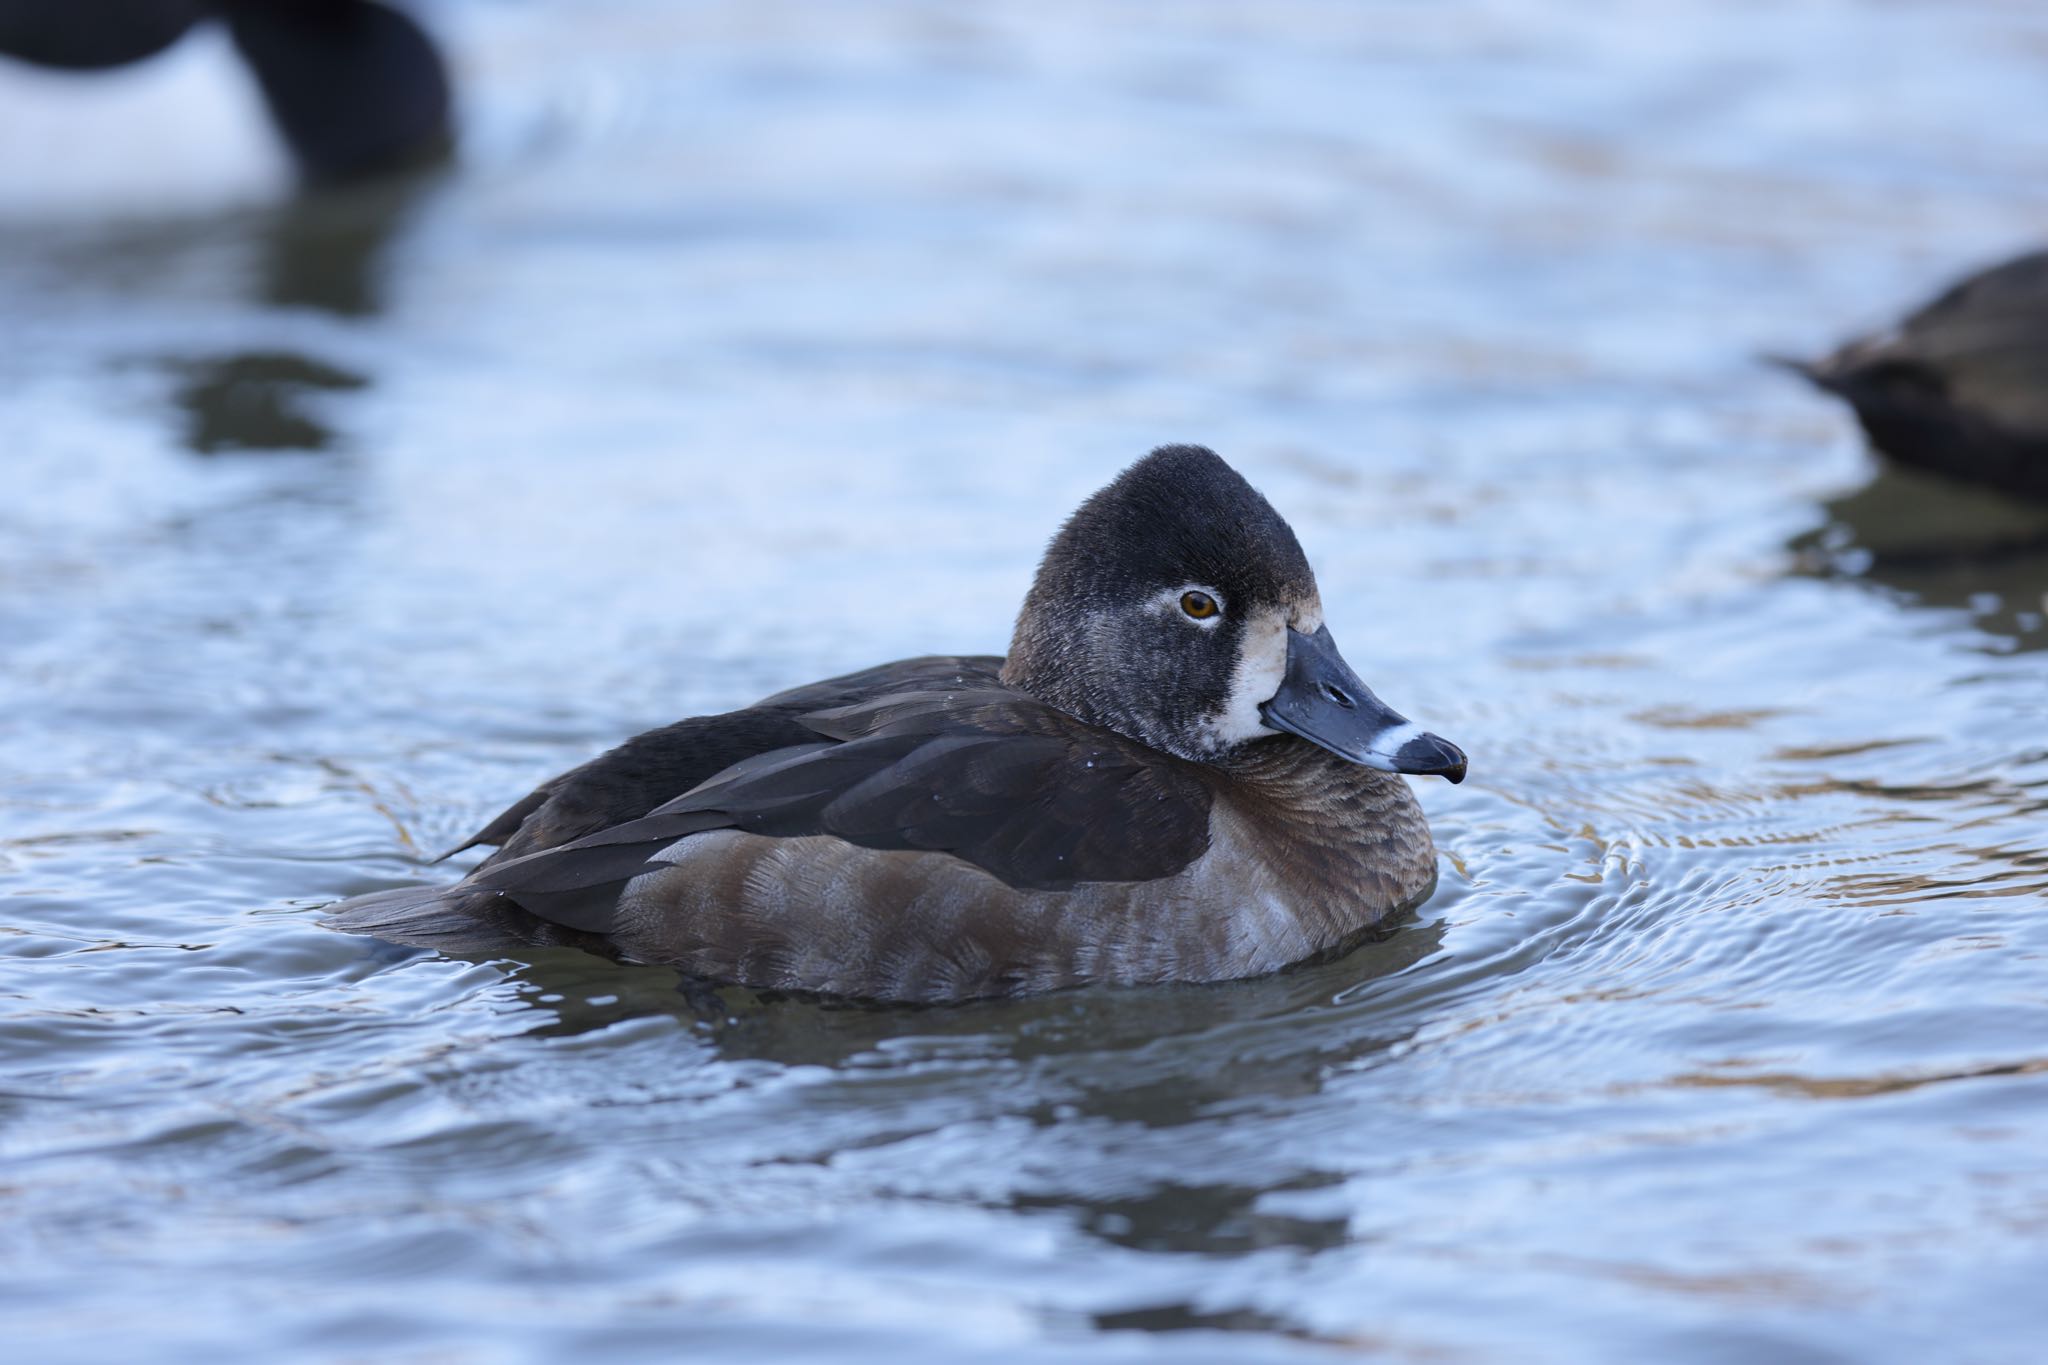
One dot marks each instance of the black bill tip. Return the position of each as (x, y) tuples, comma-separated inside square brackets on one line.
[(1429, 755)]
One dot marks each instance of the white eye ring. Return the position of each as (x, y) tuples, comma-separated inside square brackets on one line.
[(1176, 602)]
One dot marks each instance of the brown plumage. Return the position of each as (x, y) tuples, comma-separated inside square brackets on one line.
[(1960, 388), (1115, 803)]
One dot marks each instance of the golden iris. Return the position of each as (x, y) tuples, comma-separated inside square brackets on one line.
[(1199, 605)]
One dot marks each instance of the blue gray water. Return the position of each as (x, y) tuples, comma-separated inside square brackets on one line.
[(753, 343)]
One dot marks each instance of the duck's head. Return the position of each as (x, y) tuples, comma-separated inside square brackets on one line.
[(1177, 608)]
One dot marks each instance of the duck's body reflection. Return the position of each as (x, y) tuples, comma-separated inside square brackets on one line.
[(1941, 545)]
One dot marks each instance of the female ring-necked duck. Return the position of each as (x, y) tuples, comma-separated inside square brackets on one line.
[(1173, 776), (1960, 388)]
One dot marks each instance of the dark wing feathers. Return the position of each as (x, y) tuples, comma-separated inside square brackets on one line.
[(993, 777), (891, 710), (954, 794), (634, 778), (933, 672), (1025, 792), (506, 825), (654, 767), (577, 885)]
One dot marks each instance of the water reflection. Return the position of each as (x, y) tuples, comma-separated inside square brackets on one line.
[(1208, 1220), (1186, 1317), (585, 994), (259, 400), (1854, 1087), (333, 252), (327, 249), (330, 248), (1938, 544)]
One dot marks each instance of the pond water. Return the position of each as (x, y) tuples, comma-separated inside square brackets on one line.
[(752, 343)]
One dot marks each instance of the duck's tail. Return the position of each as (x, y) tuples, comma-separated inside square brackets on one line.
[(1816, 373), (462, 920)]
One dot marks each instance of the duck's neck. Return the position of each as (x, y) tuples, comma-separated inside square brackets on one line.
[(1311, 785), (1349, 831), (1044, 672)]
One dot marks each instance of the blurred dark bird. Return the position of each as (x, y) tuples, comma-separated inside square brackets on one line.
[(356, 88), (1960, 388), (1174, 776)]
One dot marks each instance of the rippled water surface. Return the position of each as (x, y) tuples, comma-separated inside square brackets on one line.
[(753, 343)]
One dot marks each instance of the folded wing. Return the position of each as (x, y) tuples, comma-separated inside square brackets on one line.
[(1031, 796)]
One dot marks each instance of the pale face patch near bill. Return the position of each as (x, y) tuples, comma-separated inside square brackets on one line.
[(1261, 667)]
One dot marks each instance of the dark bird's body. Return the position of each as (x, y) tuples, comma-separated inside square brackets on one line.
[(355, 86), (1115, 802), (1960, 388)]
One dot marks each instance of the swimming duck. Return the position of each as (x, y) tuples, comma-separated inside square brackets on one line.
[(1960, 388), (1173, 776)]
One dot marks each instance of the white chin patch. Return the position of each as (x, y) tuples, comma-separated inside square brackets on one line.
[(1261, 666)]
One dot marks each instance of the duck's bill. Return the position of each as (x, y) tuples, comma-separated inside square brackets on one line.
[(1323, 701)]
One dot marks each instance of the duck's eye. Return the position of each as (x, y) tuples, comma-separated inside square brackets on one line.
[(1199, 605)]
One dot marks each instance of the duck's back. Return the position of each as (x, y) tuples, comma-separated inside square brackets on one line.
[(659, 765)]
